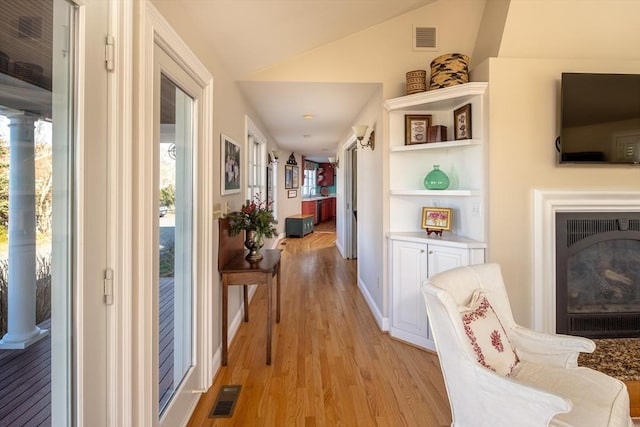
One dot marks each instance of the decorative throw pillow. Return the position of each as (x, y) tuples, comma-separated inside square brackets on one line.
[(488, 338)]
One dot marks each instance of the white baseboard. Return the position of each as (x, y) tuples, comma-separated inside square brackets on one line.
[(383, 322)]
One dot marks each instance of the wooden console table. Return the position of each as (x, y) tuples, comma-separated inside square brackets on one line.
[(236, 270)]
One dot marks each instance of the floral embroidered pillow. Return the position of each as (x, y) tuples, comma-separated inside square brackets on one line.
[(488, 338)]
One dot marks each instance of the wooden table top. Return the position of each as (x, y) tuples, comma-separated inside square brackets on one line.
[(238, 264)]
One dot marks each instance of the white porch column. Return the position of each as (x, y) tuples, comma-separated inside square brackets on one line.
[(21, 323)]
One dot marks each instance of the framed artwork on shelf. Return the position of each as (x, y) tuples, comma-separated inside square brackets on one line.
[(292, 193), (230, 168), (462, 122), (436, 220), (415, 128)]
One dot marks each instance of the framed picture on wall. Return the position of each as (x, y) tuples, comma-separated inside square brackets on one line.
[(292, 193), (288, 176), (230, 168), (295, 177)]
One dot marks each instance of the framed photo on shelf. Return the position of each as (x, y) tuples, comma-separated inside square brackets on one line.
[(231, 166), (292, 193), (436, 220), (415, 128), (462, 122)]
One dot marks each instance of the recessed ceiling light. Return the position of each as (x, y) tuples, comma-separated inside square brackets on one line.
[(308, 116)]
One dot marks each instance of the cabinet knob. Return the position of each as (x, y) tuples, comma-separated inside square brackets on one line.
[(421, 251), (430, 252)]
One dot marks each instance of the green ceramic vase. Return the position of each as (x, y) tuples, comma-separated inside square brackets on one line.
[(436, 179)]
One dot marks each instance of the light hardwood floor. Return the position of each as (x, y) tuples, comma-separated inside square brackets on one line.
[(331, 364)]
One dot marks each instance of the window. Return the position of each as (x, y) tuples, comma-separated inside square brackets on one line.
[(262, 178), (272, 188), (256, 179), (309, 186)]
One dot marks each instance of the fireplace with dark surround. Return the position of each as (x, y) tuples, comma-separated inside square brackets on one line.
[(598, 274)]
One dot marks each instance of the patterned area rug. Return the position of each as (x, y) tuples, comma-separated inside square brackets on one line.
[(619, 358)]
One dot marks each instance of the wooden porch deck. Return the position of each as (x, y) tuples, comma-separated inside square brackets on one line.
[(25, 375)]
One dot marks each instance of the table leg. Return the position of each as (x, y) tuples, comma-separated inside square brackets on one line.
[(224, 320), (245, 296), (269, 304)]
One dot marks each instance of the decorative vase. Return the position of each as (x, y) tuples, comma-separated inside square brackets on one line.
[(436, 179), (253, 242)]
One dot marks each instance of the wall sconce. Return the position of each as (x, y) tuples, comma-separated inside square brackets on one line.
[(274, 156), (360, 131), (334, 161)]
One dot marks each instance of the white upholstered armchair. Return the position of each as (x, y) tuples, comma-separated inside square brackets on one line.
[(499, 374)]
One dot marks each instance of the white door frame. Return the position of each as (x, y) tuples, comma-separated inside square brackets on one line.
[(350, 185), (120, 151), (93, 216), (156, 31)]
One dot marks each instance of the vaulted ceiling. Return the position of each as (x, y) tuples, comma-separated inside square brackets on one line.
[(251, 35)]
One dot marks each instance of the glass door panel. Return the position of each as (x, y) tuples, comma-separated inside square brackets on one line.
[(176, 224), (37, 146)]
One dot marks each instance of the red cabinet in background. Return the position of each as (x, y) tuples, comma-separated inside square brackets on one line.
[(309, 208), (324, 175)]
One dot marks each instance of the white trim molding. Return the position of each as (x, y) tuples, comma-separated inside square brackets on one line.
[(156, 31), (546, 203), (120, 155)]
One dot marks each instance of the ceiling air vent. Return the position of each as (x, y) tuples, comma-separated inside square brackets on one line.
[(424, 38)]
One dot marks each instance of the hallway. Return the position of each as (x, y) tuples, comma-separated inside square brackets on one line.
[(331, 364)]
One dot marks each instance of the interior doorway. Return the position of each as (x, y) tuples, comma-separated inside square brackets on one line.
[(351, 202)]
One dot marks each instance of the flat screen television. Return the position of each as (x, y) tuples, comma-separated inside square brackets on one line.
[(600, 120)]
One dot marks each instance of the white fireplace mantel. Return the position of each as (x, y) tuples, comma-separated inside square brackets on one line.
[(545, 205)]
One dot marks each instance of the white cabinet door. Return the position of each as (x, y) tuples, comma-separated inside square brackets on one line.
[(442, 258), (409, 314), (412, 263)]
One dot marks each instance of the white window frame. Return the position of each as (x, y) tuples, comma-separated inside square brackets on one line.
[(309, 185), (256, 162)]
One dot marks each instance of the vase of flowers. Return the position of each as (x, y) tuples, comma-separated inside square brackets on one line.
[(256, 219)]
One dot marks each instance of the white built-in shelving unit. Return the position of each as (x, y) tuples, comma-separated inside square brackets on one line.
[(413, 256)]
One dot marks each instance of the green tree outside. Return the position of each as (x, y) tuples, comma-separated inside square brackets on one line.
[(168, 196)]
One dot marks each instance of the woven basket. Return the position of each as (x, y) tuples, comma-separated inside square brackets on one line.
[(449, 70), (416, 81)]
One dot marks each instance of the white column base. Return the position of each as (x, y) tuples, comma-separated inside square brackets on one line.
[(8, 343)]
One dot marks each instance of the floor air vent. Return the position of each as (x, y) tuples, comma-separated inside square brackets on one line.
[(225, 402)]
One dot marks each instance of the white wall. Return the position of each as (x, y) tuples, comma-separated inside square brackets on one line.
[(381, 54), (579, 29), (229, 111), (524, 123), (370, 226), (542, 39)]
